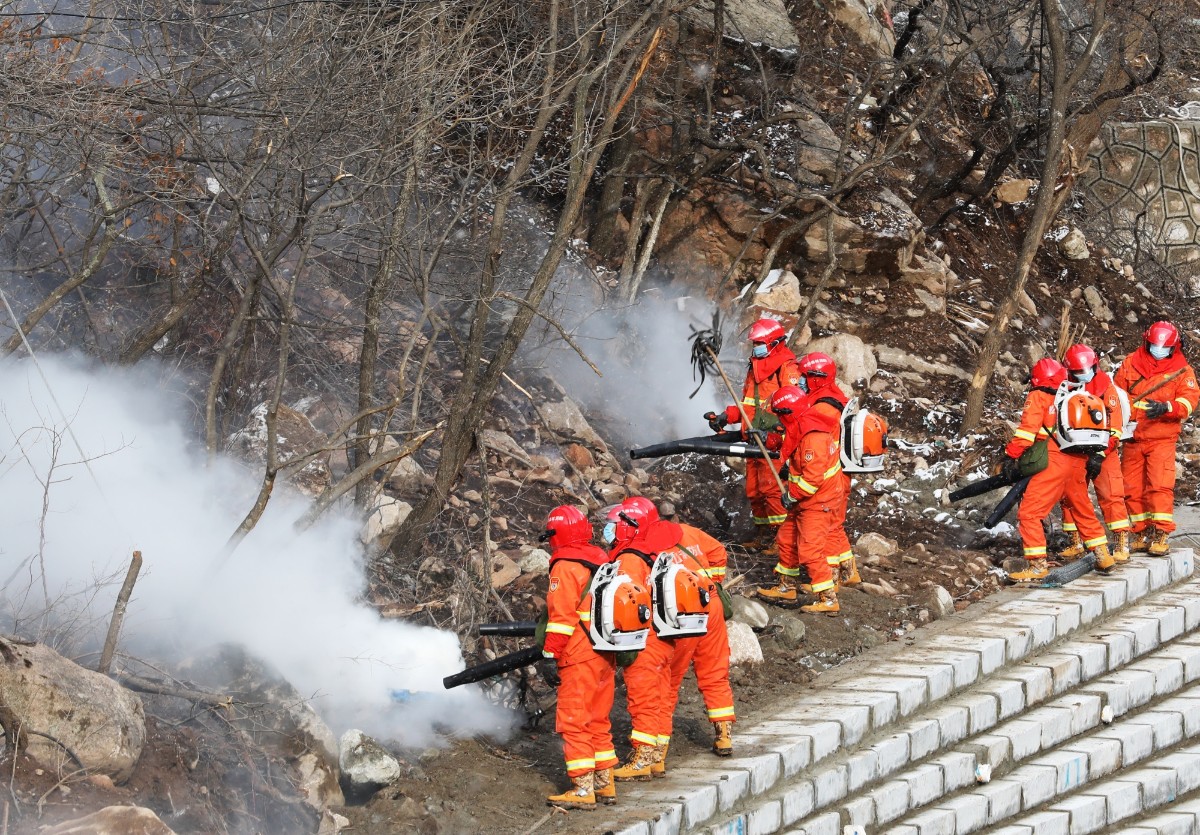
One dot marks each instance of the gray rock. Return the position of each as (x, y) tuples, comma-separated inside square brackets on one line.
[(872, 544), (939, 602), (750, 612), (565, 418), (113, 820), (1096, 304), (1074, 245), (744, 648), (536, 561), (792, 631), (383, 522), (55, 704), (757, 21), (366, 765), (780, 290), (855, 359)]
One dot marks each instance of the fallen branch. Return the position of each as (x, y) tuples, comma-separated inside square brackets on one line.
[(158, 688)]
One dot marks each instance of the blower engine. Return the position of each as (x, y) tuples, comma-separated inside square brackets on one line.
[(620, 612), (1081, 424), (680, 598), (864, 439)]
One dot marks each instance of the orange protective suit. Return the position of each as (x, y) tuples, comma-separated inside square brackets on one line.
[(829, 401), (763, 379), (585, 692), (1148, 458), (811, 451), (709, 653), (1064, 479), (1110, 486)]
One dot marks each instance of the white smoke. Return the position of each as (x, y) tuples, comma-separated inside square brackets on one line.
[(291, 599)]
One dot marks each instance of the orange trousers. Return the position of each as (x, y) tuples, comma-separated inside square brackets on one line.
[(709, 653), (1110, 494), (804, 540), (1149, 471), (647, 686), (585, 699), (766, 508), (1064, 479), (838, 550)]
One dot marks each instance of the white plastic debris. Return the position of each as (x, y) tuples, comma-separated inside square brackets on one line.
[(1106, 714), (983, 773)]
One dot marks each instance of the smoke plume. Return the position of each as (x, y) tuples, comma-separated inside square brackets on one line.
[(97, 463)]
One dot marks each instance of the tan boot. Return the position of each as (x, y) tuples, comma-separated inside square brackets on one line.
[(756, 539), (826, 604), (1141, 541), (1037, 571), (581, 795), (659, 768), (848, 573), (770, 541), (1075, 550), (1104, 560), (723, 743), (1120, 553), (605, 786), (785, 592), (638, 766), (1158, 543)]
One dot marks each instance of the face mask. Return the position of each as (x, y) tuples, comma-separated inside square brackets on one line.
[(1159, 352), (1084, 376), (609, 534), (760, 351), (803, 384)]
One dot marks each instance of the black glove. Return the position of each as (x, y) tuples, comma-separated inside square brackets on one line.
[(1094, 463), (548, 669), (1011, 469), (716, 420), (1156, 408), (784, 475), (787, 500)]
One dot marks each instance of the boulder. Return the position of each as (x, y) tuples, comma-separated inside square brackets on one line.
[(792, 631), (383, 522), (366, 766), (750, 612), (900, 359), (295, 436), (932, 274), (744, 648), (112, 820), (565, 418), (579, 456), (763, 22), (503, 443), (860, 18), (938, 601), (780, 291), (1014, 191), (54, 706), (536, 561), (873, 544), (880, 239), (855, 359), (1097, 306), (1074, 246), (407, 476)]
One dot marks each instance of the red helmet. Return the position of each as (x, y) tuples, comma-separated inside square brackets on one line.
[(818, 365), (1080, 358), (567, 525), (787, 400), (766, 331), (1162, 335), (634, 514), (1047, 373)]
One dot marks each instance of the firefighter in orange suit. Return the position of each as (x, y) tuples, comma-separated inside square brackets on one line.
[(1064, 479), (772, 364), (1083, 366), (585, 690), (638, 538), (818, 380), (1162, 392), (813, 466), (709, 653)]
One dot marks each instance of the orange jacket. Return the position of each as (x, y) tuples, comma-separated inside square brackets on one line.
[(765, 377), (708, 554), (568, 604), (814, 462), (1140, 373), (1037, 420)]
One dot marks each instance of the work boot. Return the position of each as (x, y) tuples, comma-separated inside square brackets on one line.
[(760, 538), (638, 766), (770, 546), (1075, 550), (659, 768), (581, 795), (605, 786), (1121, 552), (1141, 541), (785, 592), (848, 572), (826, 604), (1104, 560), (723, 744), (1158, 543), (1037, 571)]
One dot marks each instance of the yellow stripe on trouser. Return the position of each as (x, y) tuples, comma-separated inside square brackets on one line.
[(720, 714), (663, 739), (838, 559), (588, 764), (639, 738), (1035, 551), (1092, 543), (1119, 525), (1069, 527), (1160, 517), (605, 758), (780, 568), (825, 586), (1139, 517), (769, 520)]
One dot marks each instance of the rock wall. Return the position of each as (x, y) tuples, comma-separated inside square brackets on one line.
[(1144, 181)]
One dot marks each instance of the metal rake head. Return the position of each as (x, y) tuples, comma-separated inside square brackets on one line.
[(706, 346)]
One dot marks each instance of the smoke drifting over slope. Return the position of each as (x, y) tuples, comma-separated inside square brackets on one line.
[(289, 598)]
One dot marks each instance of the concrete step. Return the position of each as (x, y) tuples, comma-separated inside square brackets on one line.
[(894, 723)]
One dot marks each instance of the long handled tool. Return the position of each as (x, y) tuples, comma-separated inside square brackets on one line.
[(706, 344), (1006, 504)]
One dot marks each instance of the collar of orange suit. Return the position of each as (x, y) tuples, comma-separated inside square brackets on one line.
[(580, 552), (1147, 366), (768, 365)]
